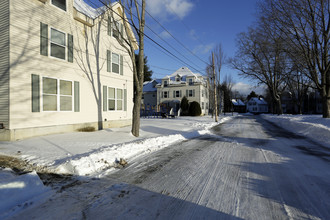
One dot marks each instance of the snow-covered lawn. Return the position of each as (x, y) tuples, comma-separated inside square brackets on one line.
[(93, 154), (311, 126)]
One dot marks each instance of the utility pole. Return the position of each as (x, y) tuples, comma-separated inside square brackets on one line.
[(215, 90)]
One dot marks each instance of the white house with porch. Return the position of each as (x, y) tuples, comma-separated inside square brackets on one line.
[(183, 82)]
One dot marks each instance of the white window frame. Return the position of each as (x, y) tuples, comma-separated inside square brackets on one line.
[(58, 95), (112, 62), (66, 5), (113, 28), (190, 82), (192, 93), (51, 42), (177, 94), (116, 99), (165, 94)]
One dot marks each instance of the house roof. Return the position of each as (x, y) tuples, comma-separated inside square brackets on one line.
[(237, 102), (149, 86), (183, 72), (88, 10), (259, 101)]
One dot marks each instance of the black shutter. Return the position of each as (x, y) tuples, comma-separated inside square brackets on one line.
[(76, 97), (35, 84), (70, 48), (43, 39)]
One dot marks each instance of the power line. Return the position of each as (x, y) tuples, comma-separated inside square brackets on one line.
[(147, 36), (175, 37)]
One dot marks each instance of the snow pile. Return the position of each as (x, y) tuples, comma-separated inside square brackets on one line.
[(105, 157), (311, 126), (19, 191)]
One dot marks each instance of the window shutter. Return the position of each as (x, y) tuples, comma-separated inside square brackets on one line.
[(121, 32), (76, 97), (125, 99), (43, 39), (70, 48), (121, 72), (109, 26), (35, 84), (180, 93), (193, 92), (108, 60), (162, 94), (105, 97)]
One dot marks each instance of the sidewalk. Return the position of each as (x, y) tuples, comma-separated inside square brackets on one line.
[(77, 152)]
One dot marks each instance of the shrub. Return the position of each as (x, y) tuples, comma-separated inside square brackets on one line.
[(195, 109), (87, 129), (184, 105)]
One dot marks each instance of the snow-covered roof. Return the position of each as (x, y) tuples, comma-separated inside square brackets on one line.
[(149, 86), (259, 101), (237, 102), (184, 71), (88, 10)]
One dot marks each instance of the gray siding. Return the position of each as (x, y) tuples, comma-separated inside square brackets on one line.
[(4, 62)]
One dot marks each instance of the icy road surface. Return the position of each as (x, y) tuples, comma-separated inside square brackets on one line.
[(247, 168)]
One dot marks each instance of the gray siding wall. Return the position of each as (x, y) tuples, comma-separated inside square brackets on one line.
[(4, 62)]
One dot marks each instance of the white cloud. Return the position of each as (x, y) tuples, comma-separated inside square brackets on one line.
[(246, 89), (193, 34), (203, 49), (165, 35), (165, 9)]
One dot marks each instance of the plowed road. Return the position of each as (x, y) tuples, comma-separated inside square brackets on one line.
[(246, 168)]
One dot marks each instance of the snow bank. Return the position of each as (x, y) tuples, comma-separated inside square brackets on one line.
[(104, 158), (311, 126), (19, 191)]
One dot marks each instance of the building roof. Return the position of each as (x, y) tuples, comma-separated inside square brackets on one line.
[(259, 101), (88, 10), (184, 72), (149, 86), (237, 102)]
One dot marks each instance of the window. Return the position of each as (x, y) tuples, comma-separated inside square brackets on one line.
[(60, 4), (202, 105), (177, 94), (120, 99), (111, 99), (165, 83), (165, 94), (190, 93), (57, 94), (191, 82), (117, 29), (115, 99), (115, 63), (57, 44)]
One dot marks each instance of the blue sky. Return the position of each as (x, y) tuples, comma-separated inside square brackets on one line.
[(199, 26)]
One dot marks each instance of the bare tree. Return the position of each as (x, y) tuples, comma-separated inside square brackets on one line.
[(213, 70), (261, 57), (305, 26), (135, 19)]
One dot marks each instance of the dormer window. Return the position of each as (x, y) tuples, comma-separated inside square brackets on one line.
[(60, 4), (165, 83), (191, 82)]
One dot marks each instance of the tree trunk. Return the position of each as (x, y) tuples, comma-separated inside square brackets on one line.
[(326, 97), (136, 114)]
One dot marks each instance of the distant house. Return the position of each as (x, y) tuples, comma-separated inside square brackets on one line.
[(257, 105), (149, 95), (183, 82), (238, 105)]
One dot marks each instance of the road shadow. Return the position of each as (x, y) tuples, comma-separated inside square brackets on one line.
[(297, 171), (105, 198)]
